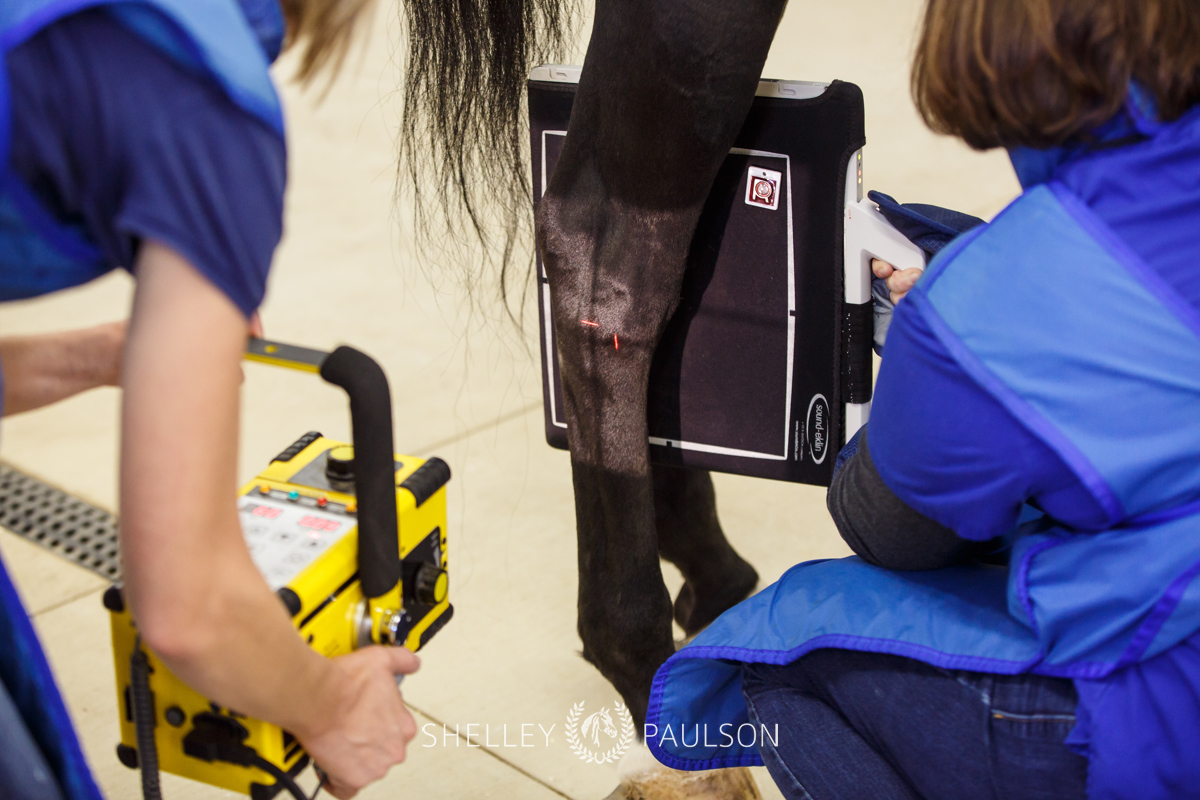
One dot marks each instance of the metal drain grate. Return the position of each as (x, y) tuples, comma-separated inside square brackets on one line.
[(63, 524)]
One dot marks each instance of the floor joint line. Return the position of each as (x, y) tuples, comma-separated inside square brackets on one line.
[(66, 602), (492, 753), (481, 428)]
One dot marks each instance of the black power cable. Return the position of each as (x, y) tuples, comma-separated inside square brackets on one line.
[(320, 783), (280, 776), (143, 721)]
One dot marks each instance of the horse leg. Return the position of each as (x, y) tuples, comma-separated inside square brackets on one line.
[(607, 330), (665, 87), (690, 537)]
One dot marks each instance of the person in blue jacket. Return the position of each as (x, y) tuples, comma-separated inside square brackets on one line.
[(147, 135), (1022, 618)]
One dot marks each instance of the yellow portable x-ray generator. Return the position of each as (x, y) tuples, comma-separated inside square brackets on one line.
[(353, 541)]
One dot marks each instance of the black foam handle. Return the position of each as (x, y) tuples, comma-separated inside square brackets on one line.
[(374, 468)]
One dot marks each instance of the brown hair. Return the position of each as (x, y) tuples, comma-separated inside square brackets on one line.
[(1039, 73), (324, 29)]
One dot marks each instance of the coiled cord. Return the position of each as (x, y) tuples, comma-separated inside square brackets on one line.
[(143, 721)]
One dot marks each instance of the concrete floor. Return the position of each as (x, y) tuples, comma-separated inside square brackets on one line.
[(466, 388)]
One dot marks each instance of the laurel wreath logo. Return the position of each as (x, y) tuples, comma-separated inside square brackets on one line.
[(587, 754)]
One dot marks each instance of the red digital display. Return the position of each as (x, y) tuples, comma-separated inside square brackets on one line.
[(266, 512), (318, 524)]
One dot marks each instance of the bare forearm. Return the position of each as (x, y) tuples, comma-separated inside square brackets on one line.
[(43, 369), (235, 644), (194, 592)]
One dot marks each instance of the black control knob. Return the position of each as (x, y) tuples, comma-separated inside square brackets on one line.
[(127, 756), (113, 600), (339, 466), (432, 585), (291, 600)]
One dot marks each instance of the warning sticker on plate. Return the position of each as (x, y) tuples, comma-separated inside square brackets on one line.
[(762, 187)]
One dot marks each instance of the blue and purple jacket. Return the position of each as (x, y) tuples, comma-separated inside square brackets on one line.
[(1049, 358)]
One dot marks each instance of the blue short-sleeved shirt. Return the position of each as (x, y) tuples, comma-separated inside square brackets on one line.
[(112, 133)]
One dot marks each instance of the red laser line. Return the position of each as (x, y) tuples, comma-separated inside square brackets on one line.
[(616, 344), (589, 323)]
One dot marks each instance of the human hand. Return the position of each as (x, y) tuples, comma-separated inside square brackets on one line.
[(367, 728), (48, 367), (899, 282), (105, 346)]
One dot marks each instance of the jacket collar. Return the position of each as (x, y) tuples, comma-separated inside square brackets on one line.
[(1137, 121)]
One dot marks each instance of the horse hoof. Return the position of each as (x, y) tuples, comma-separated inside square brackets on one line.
[(643, 778), (716, 784)]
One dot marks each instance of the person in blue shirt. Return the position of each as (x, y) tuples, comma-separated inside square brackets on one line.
[(147, 135), (1022, 617)]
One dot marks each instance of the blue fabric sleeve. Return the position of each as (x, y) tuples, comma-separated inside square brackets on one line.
[(114, 135), (955, 454)]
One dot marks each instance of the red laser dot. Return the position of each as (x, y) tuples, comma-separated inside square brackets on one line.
[(616, 344), (589, 323)]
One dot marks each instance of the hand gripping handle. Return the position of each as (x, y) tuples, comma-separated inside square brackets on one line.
[(374, 468), (869, 235)]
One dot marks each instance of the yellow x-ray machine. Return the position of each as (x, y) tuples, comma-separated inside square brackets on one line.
[(353, 541)]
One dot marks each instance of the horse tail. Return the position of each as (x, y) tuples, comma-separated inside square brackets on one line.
[(462, 139)]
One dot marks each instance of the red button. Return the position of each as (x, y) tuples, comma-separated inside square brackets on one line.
[(322, 502)]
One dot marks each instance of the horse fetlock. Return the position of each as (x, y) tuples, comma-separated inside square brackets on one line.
[(698, 607), (690, 537), (628, 652)]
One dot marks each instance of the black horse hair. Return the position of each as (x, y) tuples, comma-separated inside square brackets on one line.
[(462, 137)]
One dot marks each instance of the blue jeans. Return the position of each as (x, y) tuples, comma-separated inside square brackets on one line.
[(866, 725)]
